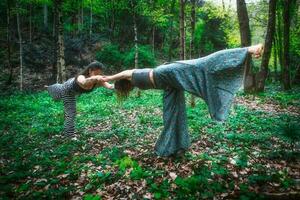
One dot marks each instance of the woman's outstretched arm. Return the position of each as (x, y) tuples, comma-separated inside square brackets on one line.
[(88, 82), (127, 74)]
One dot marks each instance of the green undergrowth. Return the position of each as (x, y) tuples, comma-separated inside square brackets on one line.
[(37, 161)]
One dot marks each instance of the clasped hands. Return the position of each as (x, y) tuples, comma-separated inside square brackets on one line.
[(103, 78), (103, 81)]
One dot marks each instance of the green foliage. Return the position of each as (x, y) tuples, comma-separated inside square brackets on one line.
[(160, 191), (199, 31), (124, 163), (291, 131), (201, 185), (111, 56), (210, 30), (91, 197), (115, 59), (145, 57), (138, 173), (294, 37), (281, 97), (40, 162)]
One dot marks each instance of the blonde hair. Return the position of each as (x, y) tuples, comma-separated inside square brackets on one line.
[(123, 88)]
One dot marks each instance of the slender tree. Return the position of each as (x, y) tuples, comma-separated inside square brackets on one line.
[(192, 42), (45, 13), (8, 42), (279, 35), (286, 45), (112, 20), (193, 22), (295, 15), (54, 52), (30, 22), (135, 30), (153, 29), (60, 60), (153, 39), (182, 29), (82, 14), (262, 75), (91, 19), (171, 34), (20, 46), (78, 16), (249, 79), (275, 59), (136, 48), (243, 23)]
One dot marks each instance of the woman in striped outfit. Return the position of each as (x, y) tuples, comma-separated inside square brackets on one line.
[(215, 78), (84, 82)]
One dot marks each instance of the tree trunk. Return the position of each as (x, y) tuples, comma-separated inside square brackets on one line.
[(9, 80), (30, 23), (268, 47), (153, 29), (54, 22), (192, 42), (279, 38), (193, 22), (21, 48), (82, 14), (91, 20), (112, 21), (153, 39), (249, 79), (54, 59), (172, 10), (45, 11), (60, 62), (279, 42), (286, 45), (243, 23), (136, 49), (275, 59), (182, 32), (79, 14)]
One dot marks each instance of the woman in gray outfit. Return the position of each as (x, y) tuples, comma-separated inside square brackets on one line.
[(215, 78), (84, 82)]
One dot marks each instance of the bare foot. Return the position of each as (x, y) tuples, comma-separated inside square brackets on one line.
[(256, 50)]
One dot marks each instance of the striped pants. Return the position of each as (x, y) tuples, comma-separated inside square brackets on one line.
[(66, 93), (69, 101)]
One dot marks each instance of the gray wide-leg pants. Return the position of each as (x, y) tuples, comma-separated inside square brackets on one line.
[(175, 135), (215, 78)]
